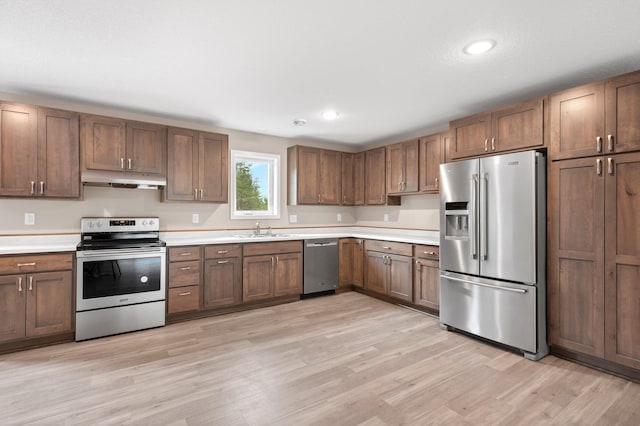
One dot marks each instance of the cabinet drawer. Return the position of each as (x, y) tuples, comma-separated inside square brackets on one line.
[(389, 247), (256, 249), (426, 252), (183, 299), (222, 250), (35, 263), (177, 254), (184, 273)]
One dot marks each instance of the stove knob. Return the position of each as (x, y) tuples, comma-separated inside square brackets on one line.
[(152, 222), (144, 223), (99, 224)]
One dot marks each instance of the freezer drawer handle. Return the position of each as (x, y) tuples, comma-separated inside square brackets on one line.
[(497, 287)]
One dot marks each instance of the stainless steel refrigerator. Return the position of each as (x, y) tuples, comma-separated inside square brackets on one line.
[(492, 249)]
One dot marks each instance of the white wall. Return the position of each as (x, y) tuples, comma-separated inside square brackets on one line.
[(416, 212)]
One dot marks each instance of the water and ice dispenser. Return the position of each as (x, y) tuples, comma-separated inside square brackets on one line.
[(457, 220)]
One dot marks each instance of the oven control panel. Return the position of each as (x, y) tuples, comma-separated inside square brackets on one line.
[(119, 224)]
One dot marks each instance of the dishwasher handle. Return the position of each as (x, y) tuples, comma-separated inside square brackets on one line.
[(323, 244)]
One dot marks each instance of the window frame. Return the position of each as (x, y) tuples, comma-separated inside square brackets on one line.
[(273, 175)]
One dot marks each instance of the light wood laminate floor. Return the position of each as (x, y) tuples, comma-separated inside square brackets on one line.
[(338, 360)]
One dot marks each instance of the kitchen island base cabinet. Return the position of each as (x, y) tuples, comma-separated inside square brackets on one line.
[(271, 270)]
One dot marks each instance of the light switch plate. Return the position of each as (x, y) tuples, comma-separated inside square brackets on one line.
[(29, 218), (293, 218), (339, 217), (386, 217), (195, 218)]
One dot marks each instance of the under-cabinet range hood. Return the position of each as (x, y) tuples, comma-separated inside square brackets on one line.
[(119, 179)]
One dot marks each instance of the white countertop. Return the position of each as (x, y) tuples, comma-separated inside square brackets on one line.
[(68, 242)]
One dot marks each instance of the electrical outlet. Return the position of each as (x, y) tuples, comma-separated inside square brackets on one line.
[(386, 217), (195, 218), (29, 218), (293, 218), (339, 217)]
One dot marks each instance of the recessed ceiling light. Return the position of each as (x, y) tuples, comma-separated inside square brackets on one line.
[(299, 122), (330, 115), (479, 47)]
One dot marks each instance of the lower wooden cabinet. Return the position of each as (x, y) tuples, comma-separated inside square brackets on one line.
[(222, 275), (351, 252), (426, 277), (271, 270), (184, 279), (183, 299), (388, 269), (35, 303)]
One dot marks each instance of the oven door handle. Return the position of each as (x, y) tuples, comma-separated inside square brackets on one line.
[(122, 253)]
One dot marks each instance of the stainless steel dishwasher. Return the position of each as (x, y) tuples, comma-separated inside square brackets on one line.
[(320, 265)]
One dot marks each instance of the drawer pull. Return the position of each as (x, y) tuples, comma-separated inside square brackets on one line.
[(430, 253), (185, 268), (223, 251), (222, 261), (30, 282), (186, 293), (186, 254), (20, 265), (386, 247)]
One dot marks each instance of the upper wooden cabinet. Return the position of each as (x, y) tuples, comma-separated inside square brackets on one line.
[(198, 164), (375, 182), (431, 156), (348, 186), (510, 128), (314, 176), (358, 179), (39, 152), (402, 167), (622, 113), (121, 145)]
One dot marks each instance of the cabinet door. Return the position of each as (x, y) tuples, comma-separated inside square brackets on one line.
[(576, 122), (308, 175), (623, 113), (182, 170), (347, 179), (358, 263), (400, 277), (575, 272), (345, 264), (518, 126), (146, 148), (214, 167), (58, 154), (426, 284), (375, 180), (49, 308), (18, 148), (470, 136), (358, 179), (622, 257), (376, 272), (12, 304), (222, 282), (330, 187), (431, 156), (411, 166), (288, 274), (104, 143), (257, 277), (395, 168)]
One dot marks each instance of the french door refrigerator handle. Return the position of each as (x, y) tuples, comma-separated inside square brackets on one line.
[(497, 287), (472, 216), (485, 219)]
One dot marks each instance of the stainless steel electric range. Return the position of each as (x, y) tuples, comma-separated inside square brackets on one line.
[(120, 276)]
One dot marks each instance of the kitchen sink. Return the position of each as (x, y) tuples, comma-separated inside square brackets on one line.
[(259, 236)]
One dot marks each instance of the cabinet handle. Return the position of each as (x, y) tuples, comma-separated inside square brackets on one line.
[(277, 260), (20, 284), (344, 199), (201, 193), (610, 165), (223, 251), (493, 144), (319, 198), (221, 262), (404, 186), (33, 188), (381, 198), (610, 142), (486, 145), (185, 268), (186, 293), (430, 253), (122, 163), (129, 161), (272, 261), (30, 282), (185, 254), (599, 143), (20, 265), (599, 167), (437, 183), (41, 187), (386, 247), (195, 193), (418, 265)]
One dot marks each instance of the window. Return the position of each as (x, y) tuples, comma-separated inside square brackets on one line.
[(255, 188)]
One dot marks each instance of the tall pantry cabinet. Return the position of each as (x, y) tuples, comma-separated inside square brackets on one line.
[(594, 230)]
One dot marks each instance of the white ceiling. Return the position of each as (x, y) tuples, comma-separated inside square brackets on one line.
[(393, 69)]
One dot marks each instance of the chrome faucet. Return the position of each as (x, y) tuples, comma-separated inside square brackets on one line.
[(257, 230)]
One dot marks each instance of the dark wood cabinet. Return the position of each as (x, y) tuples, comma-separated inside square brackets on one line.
[(348, 183), (37, 294), (426, 277), (222, 275), (358, 179), (375, 178), (184, 279), (388, 269), (314, 175), (431, 156), (402, 162), (120, 145), (198, 166), (509, 128), (358, 262), (39, 152), (350, 267), (622, 113), (271, 270)]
